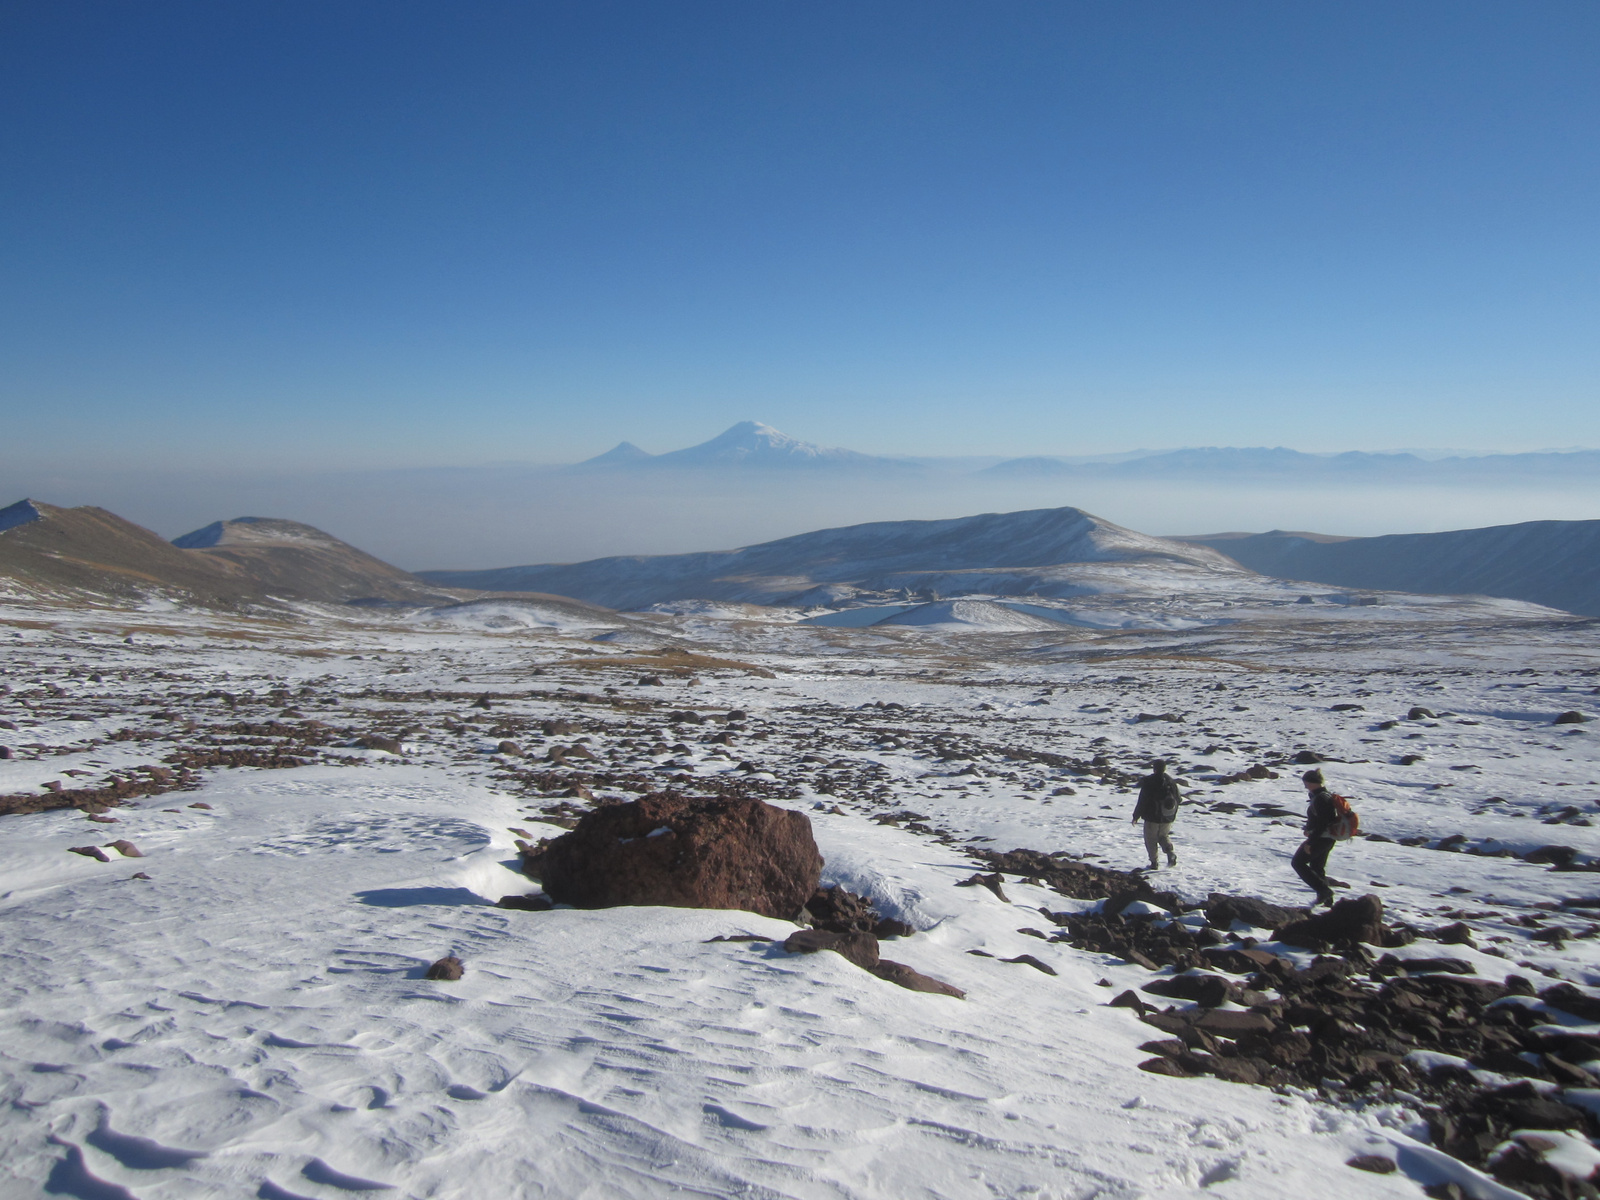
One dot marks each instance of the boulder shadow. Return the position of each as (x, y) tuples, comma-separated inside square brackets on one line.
[(409, 897)]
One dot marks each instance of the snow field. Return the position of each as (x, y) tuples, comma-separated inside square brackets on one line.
[(253, 1021)]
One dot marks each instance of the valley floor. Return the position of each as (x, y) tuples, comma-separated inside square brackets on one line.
[(252, 1018)]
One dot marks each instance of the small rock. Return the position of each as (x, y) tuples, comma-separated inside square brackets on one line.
[(890, 927), (1166, 1047), (97, 818), (200, 804), (1420, 714), (1571, 717), (89, 852), (1306, 758), (510, 748), (1558, 856), (1378, 1164), (1166, 1066), (1223, 910), (125, 848), (992, 882), (857, 946), (913, 980), (1033, 962), (374, 741), (446, 968), (138, 875), (1128, 999), (1355, 920)]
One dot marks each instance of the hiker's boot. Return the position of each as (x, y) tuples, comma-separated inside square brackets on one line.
[(1172, 860)]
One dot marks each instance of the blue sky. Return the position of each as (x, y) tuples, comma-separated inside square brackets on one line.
[(372, 234)]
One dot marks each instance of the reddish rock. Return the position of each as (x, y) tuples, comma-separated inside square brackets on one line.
[(916, 981), (446, 968), (859, 947), (125, 848), (89, 852), (686, 852), (102, 820), (199, 804)]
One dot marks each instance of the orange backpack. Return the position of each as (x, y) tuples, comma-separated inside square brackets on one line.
[(1346, 822)]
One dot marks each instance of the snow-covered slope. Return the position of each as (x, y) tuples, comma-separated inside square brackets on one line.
[(904, 555), (47, 550), (1554, 563)]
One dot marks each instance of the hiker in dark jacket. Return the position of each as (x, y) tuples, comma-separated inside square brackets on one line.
[(1310, 861), (1158, 809)]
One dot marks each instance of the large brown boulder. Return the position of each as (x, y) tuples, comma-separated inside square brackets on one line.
[(686, 852)]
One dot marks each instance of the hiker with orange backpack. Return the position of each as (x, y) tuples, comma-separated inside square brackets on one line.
[(1329, 819)]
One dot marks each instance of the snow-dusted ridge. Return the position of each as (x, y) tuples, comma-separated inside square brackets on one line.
[(1020, 553)]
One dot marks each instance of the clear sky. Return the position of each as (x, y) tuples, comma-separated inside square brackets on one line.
[(404, 232)]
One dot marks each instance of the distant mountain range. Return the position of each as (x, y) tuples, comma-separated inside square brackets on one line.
[(1020, 553), (750, 445), (46, 551), (1556, 563)]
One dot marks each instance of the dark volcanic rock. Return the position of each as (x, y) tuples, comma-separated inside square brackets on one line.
[(1080, 880), (446, 968), (89, 852), (991, 881), (686, 852), (1208, 991), (840, 910), (1378, 1164), (859, 947), (1356, 920), (1570, 717), (1222, 911)]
